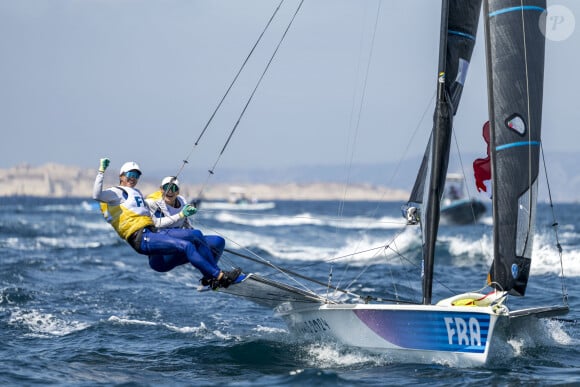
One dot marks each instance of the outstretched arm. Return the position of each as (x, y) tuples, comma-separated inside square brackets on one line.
[(108, 195), (162, 218)]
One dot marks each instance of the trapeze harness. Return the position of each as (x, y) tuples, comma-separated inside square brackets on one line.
[(130, 217), (160, 211)]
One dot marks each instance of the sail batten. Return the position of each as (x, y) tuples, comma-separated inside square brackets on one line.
[(517, 8), (462, 34), (517, 144)]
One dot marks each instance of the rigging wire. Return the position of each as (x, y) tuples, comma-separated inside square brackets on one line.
[(293, 275), (355, 128), (261, 260), (462, 166), (529, 117), (186, 160), (212, 169), (287, 271), (313, 280), (397, 168), (554, 221), (555, 229), (341, 208)]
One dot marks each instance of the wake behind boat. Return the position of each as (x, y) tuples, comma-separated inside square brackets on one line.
[(465, 328)]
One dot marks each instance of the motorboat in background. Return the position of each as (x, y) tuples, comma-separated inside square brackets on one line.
[(237, 200), (456, 205)]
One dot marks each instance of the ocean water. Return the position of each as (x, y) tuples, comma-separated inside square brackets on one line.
[(79, 307)]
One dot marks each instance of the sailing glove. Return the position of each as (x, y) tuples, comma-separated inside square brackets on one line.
[(104, 164), (188, 210)]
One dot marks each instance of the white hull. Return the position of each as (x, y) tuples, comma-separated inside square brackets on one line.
[(413, 333), (442, 333)]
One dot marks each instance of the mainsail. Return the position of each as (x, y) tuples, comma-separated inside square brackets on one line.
[(459, 19), (463, 17), (515, 60), (460, 328)]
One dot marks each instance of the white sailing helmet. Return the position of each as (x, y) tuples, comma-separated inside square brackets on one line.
[(130, 166), (170, 179)]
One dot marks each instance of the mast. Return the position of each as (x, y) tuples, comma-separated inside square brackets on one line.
[(459, 19), (439, 153)]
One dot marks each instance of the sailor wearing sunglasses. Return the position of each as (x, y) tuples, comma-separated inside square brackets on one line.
[(125, 208), (165, 206)]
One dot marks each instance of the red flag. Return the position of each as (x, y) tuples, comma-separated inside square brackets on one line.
[(482, 167)]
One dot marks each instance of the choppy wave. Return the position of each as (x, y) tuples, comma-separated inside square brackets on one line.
[(72, 289), (351, 223), (43, 324)]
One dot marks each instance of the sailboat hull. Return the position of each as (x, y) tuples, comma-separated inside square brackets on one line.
[(448, 332), (416, 333)]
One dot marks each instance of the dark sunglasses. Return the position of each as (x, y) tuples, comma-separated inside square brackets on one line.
[(133, 174), (170, 187)]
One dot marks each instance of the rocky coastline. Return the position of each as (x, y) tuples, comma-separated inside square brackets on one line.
[(60, 181)]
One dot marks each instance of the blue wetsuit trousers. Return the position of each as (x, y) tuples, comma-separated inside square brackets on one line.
[(168, 248), (216, 244)]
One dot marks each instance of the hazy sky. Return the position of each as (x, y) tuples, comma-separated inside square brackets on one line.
[(138, 80)]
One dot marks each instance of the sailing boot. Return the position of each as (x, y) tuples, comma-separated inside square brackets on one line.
[(228, 278), (205, 281)]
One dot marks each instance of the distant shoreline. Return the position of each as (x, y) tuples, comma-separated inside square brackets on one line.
[(60, 181)]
